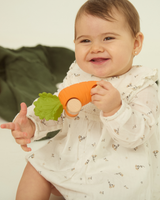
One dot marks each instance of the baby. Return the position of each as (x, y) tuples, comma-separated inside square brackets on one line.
[(111, 149)]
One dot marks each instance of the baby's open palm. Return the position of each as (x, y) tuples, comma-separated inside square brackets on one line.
[(22, 128)]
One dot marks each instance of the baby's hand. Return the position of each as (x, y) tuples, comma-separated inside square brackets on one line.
[(22, 128), (106, 98)]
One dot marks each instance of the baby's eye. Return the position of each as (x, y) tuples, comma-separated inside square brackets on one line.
[(85, 41), (108, 38)]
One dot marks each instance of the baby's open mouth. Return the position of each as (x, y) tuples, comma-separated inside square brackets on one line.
[(99, 60)]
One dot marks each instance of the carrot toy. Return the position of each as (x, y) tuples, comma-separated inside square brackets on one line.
[(71, 99)]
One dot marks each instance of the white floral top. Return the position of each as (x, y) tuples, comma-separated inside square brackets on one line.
[(98, 158)]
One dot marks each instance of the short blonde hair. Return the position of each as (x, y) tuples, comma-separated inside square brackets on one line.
[(103, 9)]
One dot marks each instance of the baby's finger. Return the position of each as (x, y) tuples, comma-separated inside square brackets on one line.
[(23, 111), (104, 84), (23, 141), (96, 97), (25, 148), (10, 126), (98, 90), (19, 134)]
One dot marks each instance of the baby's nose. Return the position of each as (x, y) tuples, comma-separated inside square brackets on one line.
[(96, 48)]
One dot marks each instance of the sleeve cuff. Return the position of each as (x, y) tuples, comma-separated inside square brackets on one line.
[(36, 136), (117, 114)]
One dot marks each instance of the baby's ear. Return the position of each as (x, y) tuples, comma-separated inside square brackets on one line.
[(138, 42)]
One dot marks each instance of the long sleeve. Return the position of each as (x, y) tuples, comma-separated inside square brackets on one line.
[(136, 121), (43, 126)]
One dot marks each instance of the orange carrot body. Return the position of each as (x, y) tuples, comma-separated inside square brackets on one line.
[(80, 91)]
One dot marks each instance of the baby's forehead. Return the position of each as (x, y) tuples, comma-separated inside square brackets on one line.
[(115, 16)]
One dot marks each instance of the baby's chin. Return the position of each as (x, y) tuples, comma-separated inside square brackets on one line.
[(101, 76)]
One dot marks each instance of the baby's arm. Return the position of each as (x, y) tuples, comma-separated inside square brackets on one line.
[(22, 128), (136, 122)]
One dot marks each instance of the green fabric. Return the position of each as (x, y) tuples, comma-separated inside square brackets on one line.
[(28, 71)]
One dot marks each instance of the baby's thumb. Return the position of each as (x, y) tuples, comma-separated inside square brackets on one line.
[(23, 111)]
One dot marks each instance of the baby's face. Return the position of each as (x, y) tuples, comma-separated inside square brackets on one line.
[(104, 48)]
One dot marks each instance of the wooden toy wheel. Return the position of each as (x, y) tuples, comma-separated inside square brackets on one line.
[(74, 106)]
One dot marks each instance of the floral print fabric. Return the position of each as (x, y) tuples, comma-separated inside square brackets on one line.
[(98, 158)]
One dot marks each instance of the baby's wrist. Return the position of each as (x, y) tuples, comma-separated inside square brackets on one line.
[(108, 114)]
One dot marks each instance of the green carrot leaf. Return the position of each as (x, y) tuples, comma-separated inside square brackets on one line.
[(48, 107)]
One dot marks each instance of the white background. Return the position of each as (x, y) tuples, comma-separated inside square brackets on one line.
[(51, 23)]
